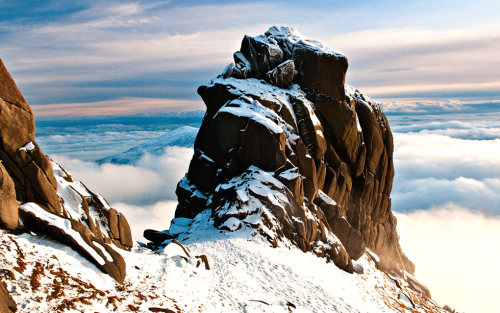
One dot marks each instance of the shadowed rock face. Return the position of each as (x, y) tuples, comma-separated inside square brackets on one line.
[(285, 139), (51, 203)]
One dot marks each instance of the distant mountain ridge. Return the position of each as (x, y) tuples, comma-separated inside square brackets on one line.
[(180, 137)]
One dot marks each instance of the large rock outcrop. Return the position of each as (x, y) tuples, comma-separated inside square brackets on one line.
[(43, 195), (288, 148)]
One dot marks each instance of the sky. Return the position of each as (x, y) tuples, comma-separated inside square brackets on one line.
[(81, 58), (434, 65)]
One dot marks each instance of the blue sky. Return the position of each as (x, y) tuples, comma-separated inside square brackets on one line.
[(100, 58)]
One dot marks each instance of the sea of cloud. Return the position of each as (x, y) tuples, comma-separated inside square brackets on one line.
[(456, 252), (447, 198)]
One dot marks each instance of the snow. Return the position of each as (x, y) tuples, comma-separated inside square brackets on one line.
[(325, 198), (64, 225), (28, 147), (103, 250), (253, 112), (73, 194), (290, 174), (246, 275)]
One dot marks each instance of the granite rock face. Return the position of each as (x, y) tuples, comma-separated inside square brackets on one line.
[(41, 194), (287, 148)]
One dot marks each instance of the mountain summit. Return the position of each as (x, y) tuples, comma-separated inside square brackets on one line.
[(288, 149)]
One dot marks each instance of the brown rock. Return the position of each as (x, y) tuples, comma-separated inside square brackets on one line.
[(262, 53), (351, 240), (320, 71), (112, 218), (293, 181), (115, 267), (9, 91), (29, 168), (26, 175), (7, 304), (282, 75), (8, 204), (310, 129), (339, 140), (245, 141), (342, 125), (125, 232)]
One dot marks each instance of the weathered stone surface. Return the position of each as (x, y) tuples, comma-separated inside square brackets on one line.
[(262, 52), (8, 204), (310, 128), (352, 241), (114, 267), (342, 125), (282, 75), (319, 71), (244, 197)]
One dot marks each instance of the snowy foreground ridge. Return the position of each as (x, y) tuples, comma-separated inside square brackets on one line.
[(245, 275)]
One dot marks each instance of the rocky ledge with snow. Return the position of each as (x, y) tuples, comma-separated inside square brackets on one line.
[(288, 149), (38, 195)]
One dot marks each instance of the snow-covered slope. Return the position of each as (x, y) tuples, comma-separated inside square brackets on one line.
[(243, 274), (180, 137)]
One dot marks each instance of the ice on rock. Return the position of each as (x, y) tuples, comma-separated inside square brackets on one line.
[(27, 147)]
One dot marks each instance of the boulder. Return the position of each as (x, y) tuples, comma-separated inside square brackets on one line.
[(320, 71), (350, 238), (76, 235), (282, 75), (263, 54)]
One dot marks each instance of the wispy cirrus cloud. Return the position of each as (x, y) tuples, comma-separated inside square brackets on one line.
[(95, 51), (424, 61), (124, 106)]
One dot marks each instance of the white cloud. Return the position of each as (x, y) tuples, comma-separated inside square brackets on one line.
[(456, 253), (123, 106), (115, 42), (141, 217), (434, 169), (153, 179), (419, 194), (426, 155)]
